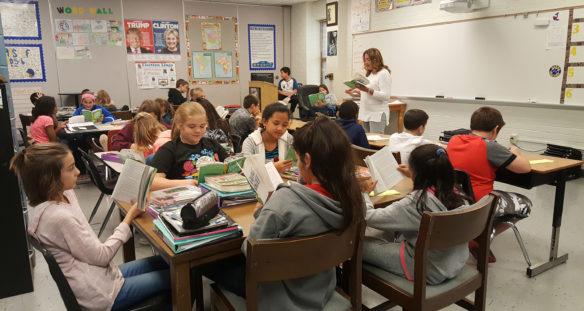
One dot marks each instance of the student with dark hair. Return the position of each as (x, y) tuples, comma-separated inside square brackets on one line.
[(326, 107), (296, 210), (124, 138), (175, 95), (217, 128), (288, 88), (272, 140), (434, 191), (43, 128), (415, 121), (348, 113), (243, 121), (481, 156), (35, 96)]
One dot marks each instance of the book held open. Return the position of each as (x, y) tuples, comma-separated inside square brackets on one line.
[(383, 168), (262, 177), (134, 183)]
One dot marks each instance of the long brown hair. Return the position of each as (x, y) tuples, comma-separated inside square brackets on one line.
[(39, 167), (332, 163), (376, 61), (213, 118)]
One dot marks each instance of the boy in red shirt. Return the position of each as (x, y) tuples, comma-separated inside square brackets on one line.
[(481, 156)]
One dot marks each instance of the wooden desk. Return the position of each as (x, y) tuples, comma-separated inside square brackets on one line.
[(294, 124), (405, 186), (542, 174), (378, 144), (181, 263), (401, 109)]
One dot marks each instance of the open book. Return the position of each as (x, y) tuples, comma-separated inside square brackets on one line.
[(359, 80), (313, 98), (231, 165), (231, 182), (134, 183), (91, 116), (222, 111), (262, 177), (383, 168)]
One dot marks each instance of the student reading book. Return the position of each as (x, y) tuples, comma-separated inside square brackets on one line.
[(383, 168), (88, 101), (262, 177), (134, 183), (314, 98), (91, 116)]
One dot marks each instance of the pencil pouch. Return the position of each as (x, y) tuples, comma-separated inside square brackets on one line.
[(198, 212)]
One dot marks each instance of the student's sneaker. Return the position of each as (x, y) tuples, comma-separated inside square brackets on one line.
[(473, 248)]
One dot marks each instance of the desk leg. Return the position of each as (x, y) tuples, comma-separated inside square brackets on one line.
[(400, 121), (554, 260), (180, 279), (128, 250)]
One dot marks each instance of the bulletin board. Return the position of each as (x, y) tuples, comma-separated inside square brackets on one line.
[(213, 50), (20, 20), (25, 62)]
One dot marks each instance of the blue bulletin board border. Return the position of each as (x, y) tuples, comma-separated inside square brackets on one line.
[(38, 21), (40, 46), (249, 46)]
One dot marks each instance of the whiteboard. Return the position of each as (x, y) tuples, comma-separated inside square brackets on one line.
[(500, 59)]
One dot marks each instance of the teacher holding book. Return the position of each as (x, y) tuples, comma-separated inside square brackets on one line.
[(374, 108)]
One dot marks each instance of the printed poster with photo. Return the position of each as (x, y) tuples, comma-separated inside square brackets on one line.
[(155, 75), (152, 40), (166, 37), (139, 41)]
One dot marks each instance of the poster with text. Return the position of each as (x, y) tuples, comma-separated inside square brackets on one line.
[(25, 62), (211, 33), (166, 37), (223, 65), (20, 21), (155, 75), (138, 39), (202, 65), (262, 47)]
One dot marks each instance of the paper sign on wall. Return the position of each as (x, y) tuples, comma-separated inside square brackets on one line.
[(155, 75), (25, 62)]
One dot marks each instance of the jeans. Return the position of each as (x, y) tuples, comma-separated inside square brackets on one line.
[(142, 278), (375, 127)]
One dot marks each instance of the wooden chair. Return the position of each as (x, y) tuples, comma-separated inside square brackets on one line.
[(25, 120), (361, 153), (439, 231), (153, 303), (123, 115), (286, 259)]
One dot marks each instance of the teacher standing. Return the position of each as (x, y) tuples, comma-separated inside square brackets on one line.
[(374, 107)]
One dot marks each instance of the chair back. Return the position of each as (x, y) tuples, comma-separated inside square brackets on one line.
[(361, 153), (24, 137), (123, 115), (397, 157), (25, 120), (64, 289), (286, 259), (110, 138), (97, 178), (236, 142), (440, 230), (462, 179), (303, 92)]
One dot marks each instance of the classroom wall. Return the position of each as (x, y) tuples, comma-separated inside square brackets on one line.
[(117, 75), (536, 126), (305, 43)]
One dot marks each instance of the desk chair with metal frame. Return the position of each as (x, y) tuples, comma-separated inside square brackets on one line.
[(440, 230), (153, 303)]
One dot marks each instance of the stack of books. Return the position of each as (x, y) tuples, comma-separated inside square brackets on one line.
[(168, 226), (227, 199)]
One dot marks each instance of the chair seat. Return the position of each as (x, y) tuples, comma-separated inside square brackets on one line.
[(465, 274), (336, 303), (154, 303)]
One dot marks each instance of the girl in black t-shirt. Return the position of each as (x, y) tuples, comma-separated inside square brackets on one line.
[(178, 160)]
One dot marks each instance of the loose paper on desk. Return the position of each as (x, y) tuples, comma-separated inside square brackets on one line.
[(541, 161), (383, 168), (262, 177), (375, 137), (134, 183)]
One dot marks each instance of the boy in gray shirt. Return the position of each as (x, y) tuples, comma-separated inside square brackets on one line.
[(243, 122)]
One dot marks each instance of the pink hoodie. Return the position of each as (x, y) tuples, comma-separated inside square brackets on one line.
[(85, 261)]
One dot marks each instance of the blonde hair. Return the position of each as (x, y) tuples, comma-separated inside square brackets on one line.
[(196, 92), (376, 61), (146, 130), (103, 99), (39, 167), (185, 111)]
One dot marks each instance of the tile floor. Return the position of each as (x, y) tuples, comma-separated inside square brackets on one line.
[(508, 288)]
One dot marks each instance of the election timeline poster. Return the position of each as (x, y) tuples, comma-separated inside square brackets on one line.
[(151, 75)]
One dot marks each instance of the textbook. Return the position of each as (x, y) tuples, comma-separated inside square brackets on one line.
[(291, 155), (231, 182), (313, 98), (359, 80), (91, 115), (175, 195), (185, 244), (262, 177), (231, 165), (134, 183), (383, 169)]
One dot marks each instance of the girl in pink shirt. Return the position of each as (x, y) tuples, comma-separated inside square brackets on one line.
[(49, 175), (43, 128)]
